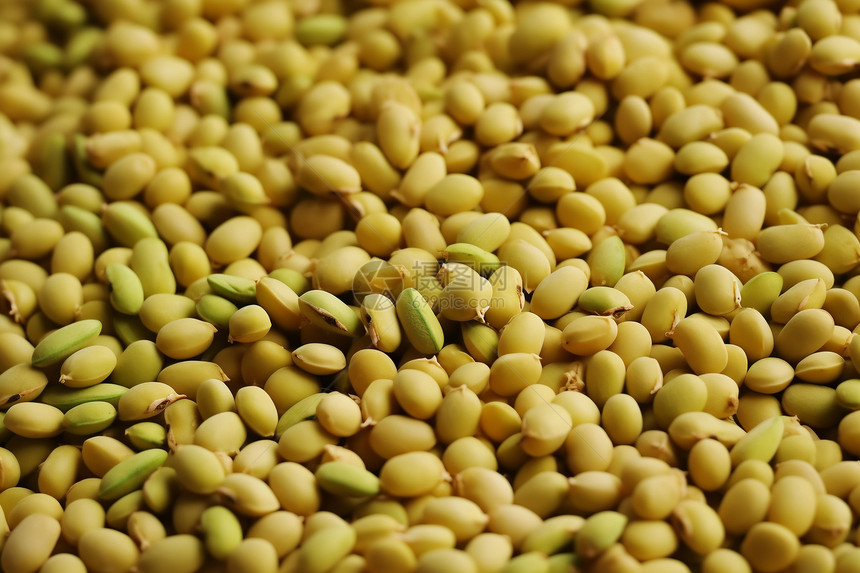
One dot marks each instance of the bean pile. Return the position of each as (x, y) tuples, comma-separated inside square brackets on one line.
[(384, 286)]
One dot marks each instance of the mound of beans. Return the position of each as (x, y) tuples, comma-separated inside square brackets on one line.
[(430, 286)]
